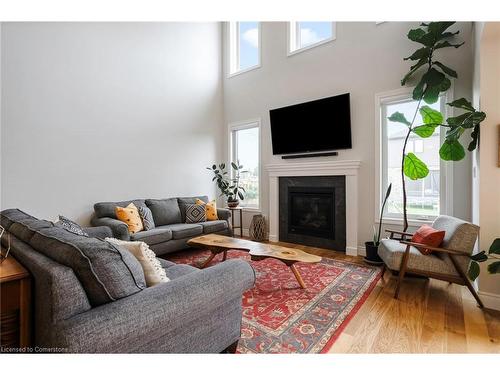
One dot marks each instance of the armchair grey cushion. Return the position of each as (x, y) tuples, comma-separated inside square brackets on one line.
[(153, 236), (392, 251), (165, 211)]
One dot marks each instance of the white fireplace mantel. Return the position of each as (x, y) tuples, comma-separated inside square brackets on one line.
[(347, 168)]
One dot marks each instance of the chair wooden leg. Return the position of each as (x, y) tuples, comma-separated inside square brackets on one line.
[(402, 270), (384, 267), (467, 282)]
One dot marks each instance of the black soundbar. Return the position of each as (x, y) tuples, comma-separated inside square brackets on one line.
[(311, 155)]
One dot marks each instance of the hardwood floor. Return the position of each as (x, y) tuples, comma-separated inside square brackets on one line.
[(430, 316)]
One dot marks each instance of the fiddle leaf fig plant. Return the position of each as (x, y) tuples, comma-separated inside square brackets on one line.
[(432, 78), (493, 253)]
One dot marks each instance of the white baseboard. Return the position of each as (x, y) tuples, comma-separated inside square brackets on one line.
[(361, 251), (490, 300)]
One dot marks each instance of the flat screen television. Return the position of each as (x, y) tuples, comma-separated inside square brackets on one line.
[(319, 125)]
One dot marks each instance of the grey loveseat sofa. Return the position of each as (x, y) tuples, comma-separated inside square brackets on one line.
[(90, 296), (171, 233)]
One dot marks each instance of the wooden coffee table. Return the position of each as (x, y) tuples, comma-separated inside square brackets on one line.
[(258, 251)]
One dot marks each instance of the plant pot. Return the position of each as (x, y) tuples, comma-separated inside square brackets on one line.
[(233, 203), (372, 253)]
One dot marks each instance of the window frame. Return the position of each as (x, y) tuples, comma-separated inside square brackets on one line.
[(232, 153), (293, 37), (233, 47), (445, 169)]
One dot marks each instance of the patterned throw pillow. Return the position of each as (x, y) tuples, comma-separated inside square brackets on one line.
[(154, 273), (147, 217), (427, 235), (130, 216), (195, 213), (70, 225), (210, 209)]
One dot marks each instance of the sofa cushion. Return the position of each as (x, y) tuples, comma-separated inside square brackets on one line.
[(391, 252), (165, 211), (13, 215), (154, 273), (130, 216), (70, 225), (106, 272), (153, 236), (183, 201), (147, 217), (429, 236), (195, 213), (25, 229), (107, 209), (214, 226), (180, 231)]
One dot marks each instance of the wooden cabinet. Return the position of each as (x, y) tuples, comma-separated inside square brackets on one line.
[(15, 294)]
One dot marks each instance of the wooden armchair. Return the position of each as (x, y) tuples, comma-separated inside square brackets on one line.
[(449, 262)]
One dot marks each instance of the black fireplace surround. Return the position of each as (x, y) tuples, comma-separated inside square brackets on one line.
[(312, 211)]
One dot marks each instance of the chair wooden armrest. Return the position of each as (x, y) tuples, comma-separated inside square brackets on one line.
[(438, 249), (393, 232)]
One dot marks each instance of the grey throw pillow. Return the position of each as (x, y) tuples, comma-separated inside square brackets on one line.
[(195, 213), (147, 217), (70, 225)]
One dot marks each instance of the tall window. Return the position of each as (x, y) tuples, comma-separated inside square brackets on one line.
[(245, 149), (303, 35), (424, 197), (244, 46)]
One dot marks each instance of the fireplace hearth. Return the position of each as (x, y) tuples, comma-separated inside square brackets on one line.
[(312, 211)]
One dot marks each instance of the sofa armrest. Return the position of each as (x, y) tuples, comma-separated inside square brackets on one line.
[(99, 232), (119, 228), (156, 311), (223, 214)]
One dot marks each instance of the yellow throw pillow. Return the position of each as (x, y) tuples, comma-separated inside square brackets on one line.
[(130, 216), (210, 209)]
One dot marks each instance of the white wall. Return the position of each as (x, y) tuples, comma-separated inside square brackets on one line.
[(107, 111), (365, 59), (489, 169)]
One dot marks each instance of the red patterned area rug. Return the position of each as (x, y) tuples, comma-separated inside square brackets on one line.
[(280, 317)]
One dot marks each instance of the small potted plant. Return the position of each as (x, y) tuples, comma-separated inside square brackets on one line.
[(229, 187), (372, 246)]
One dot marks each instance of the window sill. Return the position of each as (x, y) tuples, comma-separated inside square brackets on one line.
[(411, 222), (307, 48), (230, 75)]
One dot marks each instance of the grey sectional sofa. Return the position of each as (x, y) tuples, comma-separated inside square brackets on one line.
[(90, 296), (171, 233)]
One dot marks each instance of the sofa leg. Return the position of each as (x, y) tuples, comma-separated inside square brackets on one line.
[(231, 349)]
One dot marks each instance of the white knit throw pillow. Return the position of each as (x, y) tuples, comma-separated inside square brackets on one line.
[(154, 273)]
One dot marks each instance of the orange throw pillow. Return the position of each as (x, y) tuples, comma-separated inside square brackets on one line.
[(427, 235), (130, 216)]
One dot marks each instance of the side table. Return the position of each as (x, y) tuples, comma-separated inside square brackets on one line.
[(233, 211), (15, 291)]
